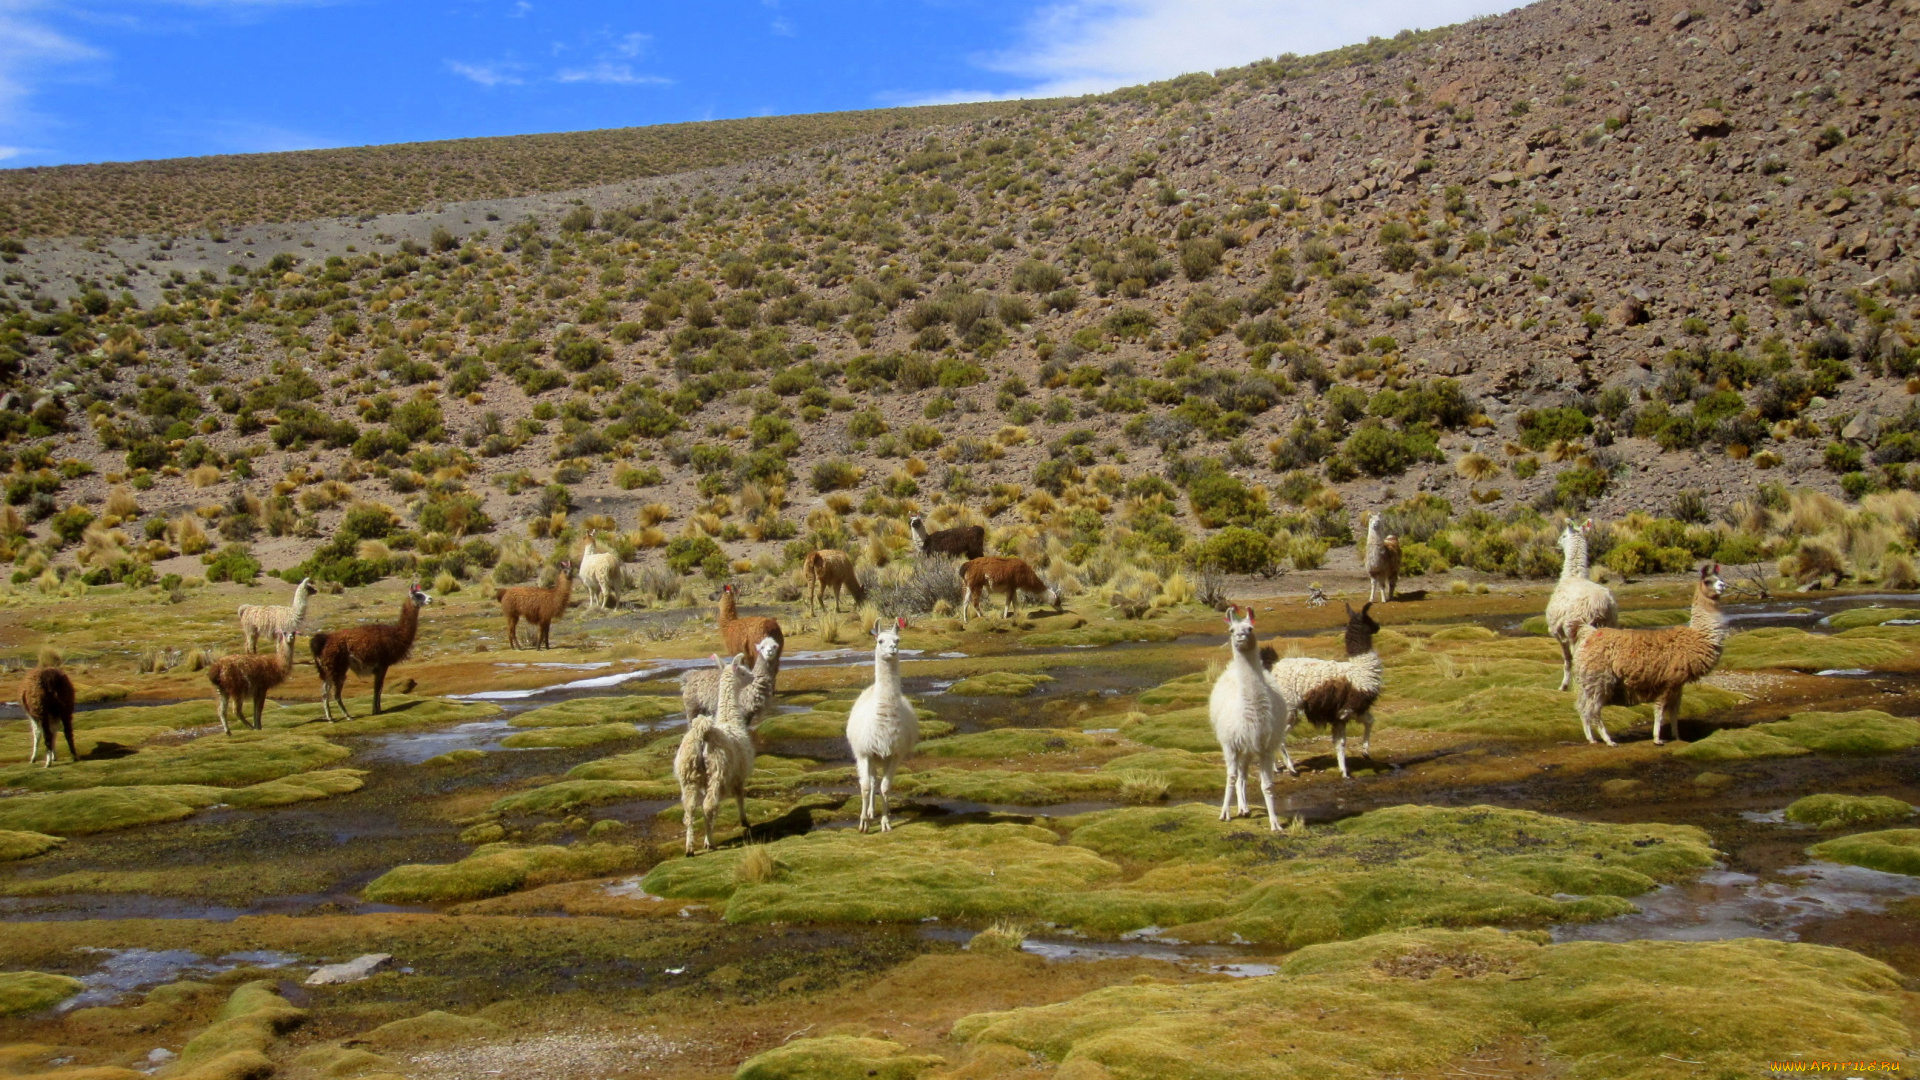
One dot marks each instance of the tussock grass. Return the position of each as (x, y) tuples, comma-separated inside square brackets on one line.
[(1418, 1001), (1000, 684), (25, 845), (1895, 851), (1006, 742), (1837, 811), (32, 991), (222, 761), (838, 1057), (582, 712), (1788, 647), (496, 869), (1849, 733), (588, 735)]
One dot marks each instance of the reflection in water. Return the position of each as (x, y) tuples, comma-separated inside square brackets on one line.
[(127, 970), (1726, 904)]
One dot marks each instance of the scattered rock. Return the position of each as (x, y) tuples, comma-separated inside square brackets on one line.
[(354, 970)]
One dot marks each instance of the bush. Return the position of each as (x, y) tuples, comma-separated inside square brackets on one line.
[(685, 554), (1219, 498), (1842, 457), (1377, 450), (1540, 428), (233, 563), (1234, 550), (835, 474)]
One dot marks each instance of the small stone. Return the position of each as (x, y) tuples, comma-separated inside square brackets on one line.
[(1707, 123), (1681, 19), (160, 1055), (352, 971)]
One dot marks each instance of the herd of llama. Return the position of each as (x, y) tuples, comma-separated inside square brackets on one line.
[(1254, 705)]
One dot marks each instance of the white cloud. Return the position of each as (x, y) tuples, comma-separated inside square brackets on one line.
[(782, 26), (486, 74), (1092, 46), (29, 50), (631, 45), (610, 74), (11, 152), (520, 9)]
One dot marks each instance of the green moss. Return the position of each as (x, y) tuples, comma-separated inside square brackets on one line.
[(1181, 770), (1834, 811), (76, 813), (340, 1061), (300, 788), (571, 736), (581, 712), (25, 845), (1006, 788), (838, 1057), (1536, 712), (1787, 647), (215, 760), (246, 1025), (455, 757), (434, 1028), (653, 761), (1849, 733), (999, 684), (233, 882), (1870, 616), (570, 795), (1208, 881), (1181, 693), (1896, 851), (399, 712), (496, 869), (1418, 1002), (1465, 632), (1007, 742), (1536, 624), (1182, 729), (31, 991)]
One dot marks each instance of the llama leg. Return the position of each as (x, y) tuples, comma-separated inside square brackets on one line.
[(688, 801), (1566, 665), (1366, 745), (66, 725), (224, 729), (1266, 791), (46, 729), (33, 731), (1240, 785), (709, 808), (864, 767), (1340, 746), (1393, 584), (886, 788), (740, 801), (1286, 728), (1668, 709), (1226, 793), (379, 680), (513, 625), (259, 707)]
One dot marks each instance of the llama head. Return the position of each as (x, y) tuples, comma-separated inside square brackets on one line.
[(305, 588), (1569, 536), (418, 596), (1373, 522), (727, 589), (886, 638), (1241, 637), (1711, 581), (918, 524), (768, 649), (1360, 629)]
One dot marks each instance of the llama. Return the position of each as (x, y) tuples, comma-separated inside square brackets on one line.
[(47, 696), (1006, 576), (1383, 561), (831, 568), (243, 675), (965, 541), (742, 634), (600, 569), (536, 605), (270, 621), (1332, 693), (1249, 718), (1576, 603), (700, 689), (715, 759), (1619, 666), (882, 729), (368, 649)]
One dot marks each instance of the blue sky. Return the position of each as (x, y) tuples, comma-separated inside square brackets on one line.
[(121, 80)]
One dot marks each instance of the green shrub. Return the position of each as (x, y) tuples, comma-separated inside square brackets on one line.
[(835, 474), (1540, 428), (233, 563), (686, 553), (1234, 550), (1220, 498)]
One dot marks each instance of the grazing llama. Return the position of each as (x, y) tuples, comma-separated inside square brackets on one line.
[(1332, 693), (882, 729), (742, 634), (962, 541), (270, 620), (1576, 603), (536, 605), (715, 759), (602, 573), (1383, 561), (1619, 666), (1249, 719), (244, 676), (700, 689), (1006, 576), (368, 649), (831, 568), (47, 696)]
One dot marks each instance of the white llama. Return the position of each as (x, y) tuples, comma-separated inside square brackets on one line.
[(882, 728)]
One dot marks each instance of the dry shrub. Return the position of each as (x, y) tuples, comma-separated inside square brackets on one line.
[(195, 660), (121, 503), (650, 537), (187, 536), (1141, 788), (655, 513), (910, 588), (204, 476), (756, 866)]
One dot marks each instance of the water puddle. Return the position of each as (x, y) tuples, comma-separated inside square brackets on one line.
[(127, 970), (414, 747), (1728, 904)]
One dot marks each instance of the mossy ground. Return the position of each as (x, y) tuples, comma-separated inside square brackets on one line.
[(1787, 647), (25, 845), (1181, 869), (31, 991), (1896, 851), (999, 684), (1871, 616), (1837, 811), (582, 712), (590, 735), (494, 869), (1850, 733)]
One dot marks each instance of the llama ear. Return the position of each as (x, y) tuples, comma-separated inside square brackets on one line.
[(1364, 608), (900, 622)]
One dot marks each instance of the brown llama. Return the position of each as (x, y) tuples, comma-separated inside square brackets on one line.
[(241, 676), (742, 634), (47, 696), (1006, 576), (368, 649), (831, 568), (963, 541), (536, 605), (1624, 666)]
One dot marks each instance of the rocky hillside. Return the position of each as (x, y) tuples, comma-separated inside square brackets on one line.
[(1588, 257)]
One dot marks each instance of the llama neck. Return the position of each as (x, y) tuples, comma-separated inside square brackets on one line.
[(886, 676), (728, 612), (1708, 619), (409, 623), (300, 596), (564, 588), (726, 706), (1359, 643), (1373, 535), (760, 689), (1575, 565)]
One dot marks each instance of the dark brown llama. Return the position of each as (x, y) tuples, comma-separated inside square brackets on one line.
[(47, 695), (369, 649), (243, 676), (961, 541), (536, 605)]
